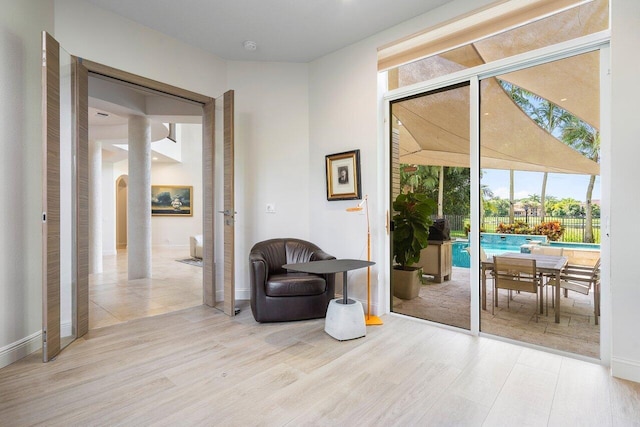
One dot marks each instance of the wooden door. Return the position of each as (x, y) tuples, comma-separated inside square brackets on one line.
[(229, 205), (65, 247)]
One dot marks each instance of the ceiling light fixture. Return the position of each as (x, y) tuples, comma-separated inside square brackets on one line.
[(250, 45)]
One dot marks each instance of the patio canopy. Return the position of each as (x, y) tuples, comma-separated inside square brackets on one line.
[(434, 129)]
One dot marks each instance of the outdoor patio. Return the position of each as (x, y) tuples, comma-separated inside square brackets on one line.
[(448, 303)]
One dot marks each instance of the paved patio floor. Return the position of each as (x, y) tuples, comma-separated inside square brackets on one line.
[(449, 302)]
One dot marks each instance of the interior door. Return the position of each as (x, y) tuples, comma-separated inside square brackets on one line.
[(229, 205), (65, 199)]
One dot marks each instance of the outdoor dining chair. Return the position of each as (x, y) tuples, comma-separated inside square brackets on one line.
[(582, 279), (515, 274), (547, 250)]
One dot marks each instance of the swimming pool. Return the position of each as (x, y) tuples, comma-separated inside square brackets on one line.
[(497, 244)]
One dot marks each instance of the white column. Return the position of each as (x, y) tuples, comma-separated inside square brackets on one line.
[(95, 207), (139, 199)]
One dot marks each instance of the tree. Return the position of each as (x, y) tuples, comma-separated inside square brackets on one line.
[(585, 139), (511, 199), (502, 206), (456, 184), (485, 193), (546, 114), (418, 179)]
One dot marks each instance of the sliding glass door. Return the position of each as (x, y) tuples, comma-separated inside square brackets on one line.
[(539, 145), (430, 152), (531, 136)]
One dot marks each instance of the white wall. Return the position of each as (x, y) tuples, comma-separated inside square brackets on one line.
[(343, 108), (92, 33), (340, 120), (271, 152), (165, 231), (175, 231), (20, 158), (342, 115), (625, 203)]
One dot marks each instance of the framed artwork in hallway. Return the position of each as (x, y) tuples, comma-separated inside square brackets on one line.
[(171, 200)]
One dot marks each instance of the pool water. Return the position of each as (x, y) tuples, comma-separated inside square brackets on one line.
[(497, 244)]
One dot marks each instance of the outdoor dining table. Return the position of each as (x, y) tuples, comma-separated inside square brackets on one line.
[(545, 264)]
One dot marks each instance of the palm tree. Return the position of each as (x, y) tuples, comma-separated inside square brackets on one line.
[(585, 139), (415, 178), (546, 114), (485, 193), (511, 199), (551, 118)]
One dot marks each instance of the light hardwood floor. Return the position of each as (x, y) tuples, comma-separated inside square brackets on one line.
[(197, 366), (200, 367)]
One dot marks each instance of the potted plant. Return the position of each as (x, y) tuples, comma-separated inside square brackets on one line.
[(411, 222)]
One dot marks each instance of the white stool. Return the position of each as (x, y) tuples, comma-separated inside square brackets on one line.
[(345, 321)]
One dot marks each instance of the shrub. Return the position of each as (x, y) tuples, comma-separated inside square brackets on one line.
[(518, 227), (552, 229)]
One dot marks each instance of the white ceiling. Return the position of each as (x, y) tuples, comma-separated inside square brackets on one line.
[(284, 30)]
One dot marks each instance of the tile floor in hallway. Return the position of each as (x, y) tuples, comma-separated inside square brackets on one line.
[(173, 286)]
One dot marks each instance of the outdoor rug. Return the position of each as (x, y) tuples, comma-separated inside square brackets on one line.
[(191, 261)]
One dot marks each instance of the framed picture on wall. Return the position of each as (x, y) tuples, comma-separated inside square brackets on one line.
[(343, 176), (171, 200)]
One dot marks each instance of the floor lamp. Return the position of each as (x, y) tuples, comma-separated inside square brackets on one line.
[(369, 318)]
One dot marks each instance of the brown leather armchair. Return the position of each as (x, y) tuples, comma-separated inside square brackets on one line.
[(278, 295)]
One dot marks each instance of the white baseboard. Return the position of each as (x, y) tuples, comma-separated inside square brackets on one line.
[(20, 349), (171, 246), (625, 369)]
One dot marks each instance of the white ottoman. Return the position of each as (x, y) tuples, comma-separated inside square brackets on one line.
[(345, 321)]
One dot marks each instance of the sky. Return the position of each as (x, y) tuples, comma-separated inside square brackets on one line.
[(559, 185)]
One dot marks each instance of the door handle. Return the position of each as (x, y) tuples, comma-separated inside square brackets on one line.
[(230, 216)]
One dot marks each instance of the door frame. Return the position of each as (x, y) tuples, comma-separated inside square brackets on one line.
[(51, 238), (208, 159), (50, 217), (594, 42)]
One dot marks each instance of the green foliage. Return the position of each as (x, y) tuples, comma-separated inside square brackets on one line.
[(456, 186), (552, 229), (500, 206), (518, 227), (565, 207), (411, 220)]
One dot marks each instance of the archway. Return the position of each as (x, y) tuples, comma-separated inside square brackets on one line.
[(121, 211)]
